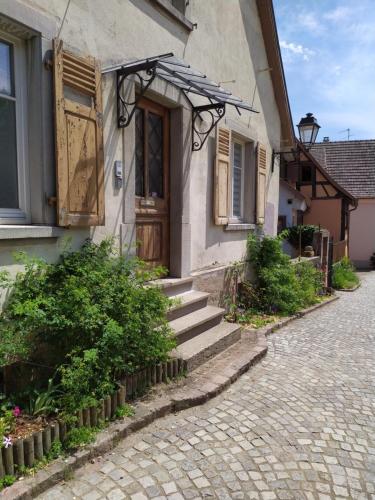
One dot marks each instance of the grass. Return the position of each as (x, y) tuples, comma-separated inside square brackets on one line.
[(251, 318)]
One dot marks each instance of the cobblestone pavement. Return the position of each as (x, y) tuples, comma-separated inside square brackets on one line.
[(299, 425)]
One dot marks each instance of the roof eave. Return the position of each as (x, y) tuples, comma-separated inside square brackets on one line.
[(271, 42), (325, 173)]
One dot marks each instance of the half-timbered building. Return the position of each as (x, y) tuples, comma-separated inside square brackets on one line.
[(328, 204)]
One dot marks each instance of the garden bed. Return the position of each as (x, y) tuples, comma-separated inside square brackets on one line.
[(32, 439)]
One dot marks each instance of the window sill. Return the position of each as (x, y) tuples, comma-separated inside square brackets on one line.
[(175, 13), (240, 226), (18, 232)]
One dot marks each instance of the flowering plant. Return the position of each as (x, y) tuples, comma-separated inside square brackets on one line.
[(7, 441), (7, 424), (16, 411)]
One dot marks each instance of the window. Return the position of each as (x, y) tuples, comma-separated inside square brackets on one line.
[(149, 155), (306, 173), (13, 120), (238, 161)]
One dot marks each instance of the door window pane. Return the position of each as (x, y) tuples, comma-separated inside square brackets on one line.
[(8, 155), (155, 155), (6, 76), (237, 179), (139, 153)]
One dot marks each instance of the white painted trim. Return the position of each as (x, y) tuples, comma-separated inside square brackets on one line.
[(14, 232), (22, 214), (240, 226)]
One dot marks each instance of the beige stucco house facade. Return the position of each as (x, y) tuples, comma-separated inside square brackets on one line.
[(144, 183)]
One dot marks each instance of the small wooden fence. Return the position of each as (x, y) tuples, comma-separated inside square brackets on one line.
[(26, 452)]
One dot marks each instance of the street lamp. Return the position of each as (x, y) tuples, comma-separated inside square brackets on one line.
[(308, 129)]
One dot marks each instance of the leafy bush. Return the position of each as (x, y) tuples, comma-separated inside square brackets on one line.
[(90, 315), (343, 275), (292, 234), (42, 402), (310, 282), (7, 481), (281, 287)]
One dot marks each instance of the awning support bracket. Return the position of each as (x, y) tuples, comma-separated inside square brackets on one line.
[(125, 108), (185, 79), (215, 111)]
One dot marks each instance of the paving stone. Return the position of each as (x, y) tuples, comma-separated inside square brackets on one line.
[(117, 494), (299, 425)]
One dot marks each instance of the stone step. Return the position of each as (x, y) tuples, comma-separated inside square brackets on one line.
[(188, 302), (208, 344), (174, 286), (193, 324)]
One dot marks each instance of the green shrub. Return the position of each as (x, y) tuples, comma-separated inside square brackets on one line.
[(90, 315), (281, 287), (303, 231), (7, 481), (40, 402), (343, 275), (310, 282)]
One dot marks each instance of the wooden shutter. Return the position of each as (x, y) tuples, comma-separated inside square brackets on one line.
[(261, 183), (222, 176), (78, 139)]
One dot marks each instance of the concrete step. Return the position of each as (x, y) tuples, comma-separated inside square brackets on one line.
[(174, 286), (188, 302), (193, 324), (208, 344)]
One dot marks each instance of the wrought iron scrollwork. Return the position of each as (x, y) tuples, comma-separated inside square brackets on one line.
[(126, 108), (214, 112)]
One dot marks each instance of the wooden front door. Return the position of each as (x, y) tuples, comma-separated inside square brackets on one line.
[(152, 183)]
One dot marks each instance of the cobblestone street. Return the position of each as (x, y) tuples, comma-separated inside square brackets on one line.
[(299, 425)]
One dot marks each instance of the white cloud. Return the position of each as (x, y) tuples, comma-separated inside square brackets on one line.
[(299, 49), (339, 14), (309, 21)]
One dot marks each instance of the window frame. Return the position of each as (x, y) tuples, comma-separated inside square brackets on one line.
[(20, 215), (232, 217)]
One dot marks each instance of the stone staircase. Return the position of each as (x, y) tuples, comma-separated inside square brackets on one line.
[(200, 330)]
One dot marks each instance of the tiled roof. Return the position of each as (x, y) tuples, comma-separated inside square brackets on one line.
[(350, 163)]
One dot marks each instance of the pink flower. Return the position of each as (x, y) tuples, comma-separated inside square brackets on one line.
[(16, 411), (7, 441)]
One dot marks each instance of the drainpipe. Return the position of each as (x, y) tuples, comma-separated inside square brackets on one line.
[(351, 210)]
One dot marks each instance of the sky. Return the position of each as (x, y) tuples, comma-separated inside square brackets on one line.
[(328, 50)]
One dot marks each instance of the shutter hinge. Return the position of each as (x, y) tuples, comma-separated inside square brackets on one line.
[(51, 200), (48, 60)]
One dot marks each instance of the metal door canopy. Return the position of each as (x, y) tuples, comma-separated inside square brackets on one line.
[(189, 81)]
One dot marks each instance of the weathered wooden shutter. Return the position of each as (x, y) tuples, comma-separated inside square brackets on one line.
[(222, 176), (261, 183), (79, 139)]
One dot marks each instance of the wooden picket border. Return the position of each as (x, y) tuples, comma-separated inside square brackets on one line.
[(26, 452)]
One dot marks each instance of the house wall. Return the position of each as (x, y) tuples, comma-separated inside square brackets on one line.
[(327, 214), (286, 208), (116, 32), (362, 233)]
